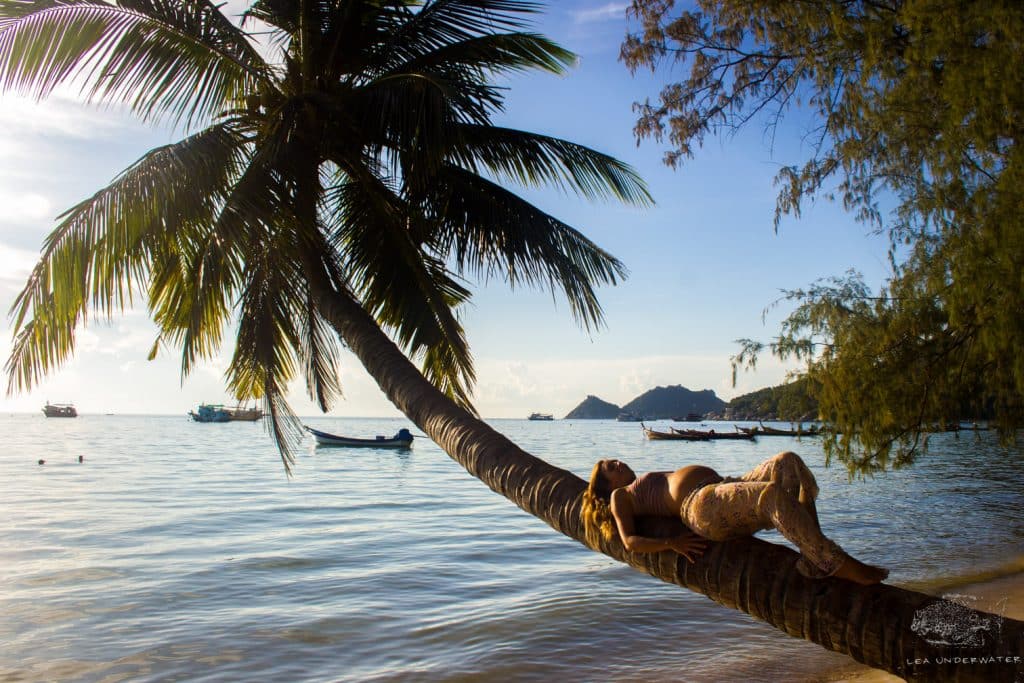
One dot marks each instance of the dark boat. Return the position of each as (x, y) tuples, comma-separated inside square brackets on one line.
[(672, 436), (764, 430), (713, 435), (403, 439), (59, 410), (543, 417), (628, 417)]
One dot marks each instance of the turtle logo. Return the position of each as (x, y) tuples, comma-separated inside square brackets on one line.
[(952, 622)]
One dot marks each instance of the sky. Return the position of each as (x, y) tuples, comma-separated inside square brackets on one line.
[(704, 262)]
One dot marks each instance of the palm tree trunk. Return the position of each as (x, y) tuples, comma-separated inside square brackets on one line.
[(910, 634)]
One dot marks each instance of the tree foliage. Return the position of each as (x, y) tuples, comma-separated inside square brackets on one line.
[(918, 103), (358, 161)]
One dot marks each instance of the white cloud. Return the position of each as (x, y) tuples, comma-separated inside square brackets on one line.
[(18, 207), (15, 264), (607, 12)]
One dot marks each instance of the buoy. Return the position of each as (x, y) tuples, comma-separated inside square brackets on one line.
[(81, 458), (41, 461)]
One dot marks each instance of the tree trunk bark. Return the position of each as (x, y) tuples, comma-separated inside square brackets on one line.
[(916, 636)]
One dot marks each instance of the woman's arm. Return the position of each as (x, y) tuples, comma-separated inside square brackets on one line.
[(687, 544)]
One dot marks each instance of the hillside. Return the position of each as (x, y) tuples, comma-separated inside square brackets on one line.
[(676, 401), (783, 402), (593, 408)]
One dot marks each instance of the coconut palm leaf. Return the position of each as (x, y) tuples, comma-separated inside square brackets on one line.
[(188, 70), (534, 160), (488, 231), (408, 292), (268, 341), (104, 247)]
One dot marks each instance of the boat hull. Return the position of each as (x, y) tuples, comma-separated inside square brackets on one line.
[(326, 439), (60, 411)]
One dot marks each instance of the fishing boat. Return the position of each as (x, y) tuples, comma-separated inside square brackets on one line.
[(403, 439), (712, 434), (764, 430), (59, 410), (671, 436), (240, 414), (208, 412), (543, 417)]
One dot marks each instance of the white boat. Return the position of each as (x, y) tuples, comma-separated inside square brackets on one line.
[(403, 439), (544, 417)]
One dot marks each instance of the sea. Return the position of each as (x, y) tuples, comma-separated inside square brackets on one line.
[(178, 551)]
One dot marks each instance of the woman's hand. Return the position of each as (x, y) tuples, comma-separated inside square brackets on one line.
[(690, 546)]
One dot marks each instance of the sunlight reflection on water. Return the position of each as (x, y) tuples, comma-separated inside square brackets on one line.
[(181, 551)]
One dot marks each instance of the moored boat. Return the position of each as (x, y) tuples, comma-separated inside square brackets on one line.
[(543, 417), (712, 434), (208, 412), (240, 414), (59, 410), (671, 436), (403, 439), (764, 430)]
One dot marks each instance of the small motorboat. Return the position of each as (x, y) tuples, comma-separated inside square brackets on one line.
[(403, 439)]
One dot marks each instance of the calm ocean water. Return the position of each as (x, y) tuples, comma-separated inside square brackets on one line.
[(180, 551)]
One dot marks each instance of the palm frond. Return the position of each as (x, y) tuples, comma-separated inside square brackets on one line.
[(186, 72), (443, 22), (104, 247), (409, 293), (533, 160), (320, 357), (496, 53), (265, 351), (488, 231)]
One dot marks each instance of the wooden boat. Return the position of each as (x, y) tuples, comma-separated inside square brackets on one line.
[(672, 436), (543, 417), (764, 430), (59, 410), (209, 412), (712, 434), (240, 414), (403, 439)]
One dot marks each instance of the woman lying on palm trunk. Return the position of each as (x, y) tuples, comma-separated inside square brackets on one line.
[(777, 494)]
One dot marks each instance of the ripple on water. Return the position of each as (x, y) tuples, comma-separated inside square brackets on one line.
[(181, 552)]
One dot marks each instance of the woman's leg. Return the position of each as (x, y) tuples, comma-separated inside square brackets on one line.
[(788, 470), (730, 510)]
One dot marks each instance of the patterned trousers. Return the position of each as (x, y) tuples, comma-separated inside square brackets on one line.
[(777, 494)]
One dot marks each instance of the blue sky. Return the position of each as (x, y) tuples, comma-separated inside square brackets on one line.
[(704, 262)]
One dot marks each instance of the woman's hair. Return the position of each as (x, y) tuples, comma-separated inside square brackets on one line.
[(598, 522)]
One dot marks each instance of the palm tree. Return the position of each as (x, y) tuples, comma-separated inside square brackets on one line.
[(344, 189)]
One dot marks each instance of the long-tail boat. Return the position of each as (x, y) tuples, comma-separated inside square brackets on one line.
[(712, 434), (671, 436)]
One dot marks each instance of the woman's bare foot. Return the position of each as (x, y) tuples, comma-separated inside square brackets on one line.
[(858, 572)]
